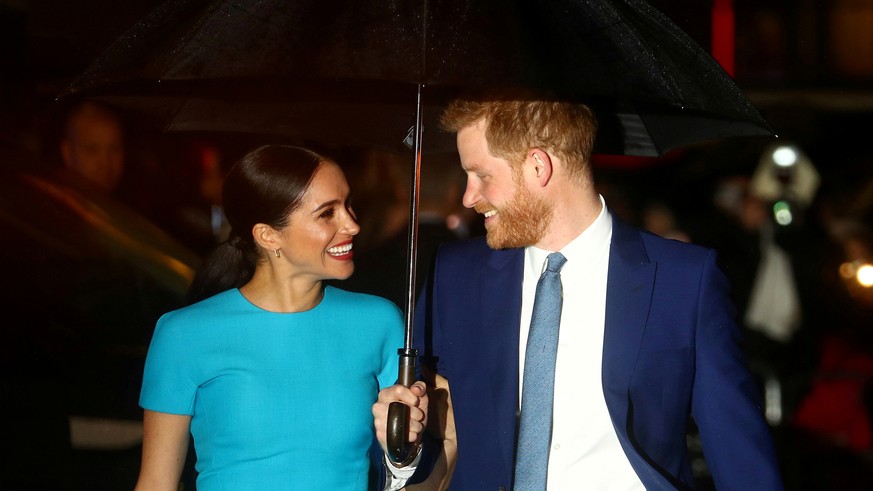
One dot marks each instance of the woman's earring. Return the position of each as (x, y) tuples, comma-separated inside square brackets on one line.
[(277, 253)]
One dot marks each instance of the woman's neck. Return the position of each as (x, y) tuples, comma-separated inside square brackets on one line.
[(275, 293)]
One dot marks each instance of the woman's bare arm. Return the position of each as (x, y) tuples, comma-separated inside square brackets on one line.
[(164, 447), (442, 427)]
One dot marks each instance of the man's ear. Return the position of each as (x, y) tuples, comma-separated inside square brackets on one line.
[(542, 165)]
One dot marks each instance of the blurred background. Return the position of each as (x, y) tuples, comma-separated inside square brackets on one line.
[(91, 262)]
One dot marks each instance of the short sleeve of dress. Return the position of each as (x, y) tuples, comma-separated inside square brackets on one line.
[(394, 330), (168, 384)]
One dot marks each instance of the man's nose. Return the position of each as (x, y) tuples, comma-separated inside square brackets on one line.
[(471, 195)]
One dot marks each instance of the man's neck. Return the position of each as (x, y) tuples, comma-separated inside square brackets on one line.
[(570, 218)]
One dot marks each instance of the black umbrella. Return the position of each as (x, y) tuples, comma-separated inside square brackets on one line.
[(375, 73), (332, 70)]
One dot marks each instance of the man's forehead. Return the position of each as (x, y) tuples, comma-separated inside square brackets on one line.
[(468, 165)]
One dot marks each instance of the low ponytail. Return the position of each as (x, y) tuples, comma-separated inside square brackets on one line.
[(230, 265)]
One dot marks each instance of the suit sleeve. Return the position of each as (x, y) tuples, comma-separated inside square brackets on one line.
[(726, 402)]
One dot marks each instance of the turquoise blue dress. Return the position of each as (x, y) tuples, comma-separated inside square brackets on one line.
[(279, 401)]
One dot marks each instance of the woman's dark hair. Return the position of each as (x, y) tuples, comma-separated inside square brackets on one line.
[(264, 186)]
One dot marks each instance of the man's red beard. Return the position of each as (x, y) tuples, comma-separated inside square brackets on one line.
[(521, 222)]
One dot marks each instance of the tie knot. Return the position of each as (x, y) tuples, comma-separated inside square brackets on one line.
[(555, 262)]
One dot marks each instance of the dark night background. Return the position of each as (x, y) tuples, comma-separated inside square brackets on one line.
[(807, 65)]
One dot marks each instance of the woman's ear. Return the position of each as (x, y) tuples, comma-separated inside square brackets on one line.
[(266, 237), (542, 165)]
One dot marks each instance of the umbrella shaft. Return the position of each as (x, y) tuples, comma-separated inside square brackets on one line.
[(412, 252)]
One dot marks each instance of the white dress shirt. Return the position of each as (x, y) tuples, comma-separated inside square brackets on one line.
[(585, 451)]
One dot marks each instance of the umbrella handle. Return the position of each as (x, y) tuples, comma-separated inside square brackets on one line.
[(398, 413)]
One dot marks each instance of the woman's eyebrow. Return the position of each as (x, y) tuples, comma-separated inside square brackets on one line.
[(327, 204)]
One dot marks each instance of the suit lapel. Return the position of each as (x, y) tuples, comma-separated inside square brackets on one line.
[(628, 297), (629, 288), (501, 307)]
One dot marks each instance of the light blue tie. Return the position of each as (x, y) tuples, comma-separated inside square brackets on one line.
[(535, 427)]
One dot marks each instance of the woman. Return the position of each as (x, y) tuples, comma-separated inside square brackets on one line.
[(271, 371)]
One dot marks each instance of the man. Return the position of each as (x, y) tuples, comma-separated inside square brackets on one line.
[(647, 333), (92, 145)]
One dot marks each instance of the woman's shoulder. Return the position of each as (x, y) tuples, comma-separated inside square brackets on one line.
[(361, 301), (371, 317), (205, 309)]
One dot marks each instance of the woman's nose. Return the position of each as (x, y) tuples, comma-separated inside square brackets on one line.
[(351, 224)]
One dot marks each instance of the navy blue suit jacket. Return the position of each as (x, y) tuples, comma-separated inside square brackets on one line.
[(670, 350)]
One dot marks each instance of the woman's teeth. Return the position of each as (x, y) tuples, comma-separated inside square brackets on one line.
[(340, 250)]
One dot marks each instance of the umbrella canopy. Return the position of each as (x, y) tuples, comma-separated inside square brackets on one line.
[(350, 72)]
